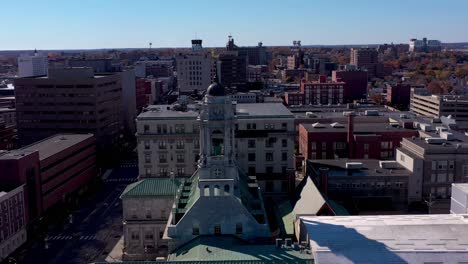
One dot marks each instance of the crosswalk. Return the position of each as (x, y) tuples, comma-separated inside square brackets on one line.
[(132, 165), (121, 180), (58, 238)]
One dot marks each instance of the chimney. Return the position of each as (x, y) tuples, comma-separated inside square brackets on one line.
[(350, 136), (324, 180)]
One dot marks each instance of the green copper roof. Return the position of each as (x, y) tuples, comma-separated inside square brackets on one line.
[(152, 187)]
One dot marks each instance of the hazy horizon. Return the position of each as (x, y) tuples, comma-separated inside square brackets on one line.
[(106, 24)]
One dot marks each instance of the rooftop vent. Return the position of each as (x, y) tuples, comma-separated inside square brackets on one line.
[(426, 127), (371, 113), (318, 125), (310, 114), (337, 125)]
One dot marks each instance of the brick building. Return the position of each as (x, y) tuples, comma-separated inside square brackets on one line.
[(51, 169), (353, 141), (355, 86), (321, 92), (399, 95), (12, 219)]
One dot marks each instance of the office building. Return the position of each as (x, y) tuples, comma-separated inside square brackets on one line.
[(194, 70), (128, 104), (355, 84), (257, 73), (231, 67), (99, 65), (154, 68), (424, 45), (69, 100), (146, 207), (219, 199), (440, 105), (169, 144), (31, 66), (412, 239), (255, 55), (367, 59), (437, 160), (52, 170), (12, 219)]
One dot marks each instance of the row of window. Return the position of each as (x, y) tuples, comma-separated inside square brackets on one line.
[(268, 126), (251, 143), (217, 230), (268, 156), (164, 172), (375, 185), (167, 129)]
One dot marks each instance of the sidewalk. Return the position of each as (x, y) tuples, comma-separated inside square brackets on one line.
[(115, 255)]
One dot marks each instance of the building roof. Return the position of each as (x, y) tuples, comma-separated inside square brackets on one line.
[(388, 239), (358, 128), (49, 146), (233, 250), (155, 112), (245, 111), (370, 167), (461, 186), (152, 187)]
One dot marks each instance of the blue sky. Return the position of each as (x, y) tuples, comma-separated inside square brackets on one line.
[(70, 24)]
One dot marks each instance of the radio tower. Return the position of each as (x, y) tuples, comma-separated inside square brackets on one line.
[(150, 44)]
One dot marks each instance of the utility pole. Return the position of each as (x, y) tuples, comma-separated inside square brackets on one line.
[(429, 203)]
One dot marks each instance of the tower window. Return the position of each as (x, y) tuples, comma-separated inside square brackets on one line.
[(206, 190), (217, 229), (226, 189)]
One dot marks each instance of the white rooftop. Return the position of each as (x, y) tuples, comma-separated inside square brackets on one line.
[(388, 239)]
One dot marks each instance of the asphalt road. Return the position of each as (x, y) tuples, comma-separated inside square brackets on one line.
[(96, 227)]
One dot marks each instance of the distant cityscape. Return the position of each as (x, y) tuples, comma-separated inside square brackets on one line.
[(236, 154)]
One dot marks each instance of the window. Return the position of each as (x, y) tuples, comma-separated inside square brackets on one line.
[(251, 171), (162, 144), (147, 144), (284, 156), (269, 186), (179, 128), (180, 158), (284, 125), (442, 165), (217, 229), (441, 177), (386, 145), (239, 228), (216, 190), (162, 158), (195, 230), (465, 170), (251, 157), (402, 157), (226, 189), (314, 146), (451, 164), (206, 190), (146, 128), (366, 147), (163, 172), (180, 144), (135, 236), (284, 143), (148, 214), (251, 126), (158, 128), (148, 171), (269, 126), (147, 158), (181, 171), (269, 156), (251, 143), (149, 236)]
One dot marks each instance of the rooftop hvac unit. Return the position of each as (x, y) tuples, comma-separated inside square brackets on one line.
[(426, 127), (318, 125), (337, 125), (310, 114), (447, 135), (435, 140), (388, 164), (353, 165), (371, 113)]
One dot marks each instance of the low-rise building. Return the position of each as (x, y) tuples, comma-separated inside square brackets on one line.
[(351, 140), (321, 92), (12, 219), (437, 161), (369, 185), (410, 239), (459, 199), (146, 208), (52, 169)]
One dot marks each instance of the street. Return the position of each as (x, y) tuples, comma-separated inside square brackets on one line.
[(95, 228)]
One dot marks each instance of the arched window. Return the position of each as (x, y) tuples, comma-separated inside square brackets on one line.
[(206, 190), (216, 190), (226, 189)]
